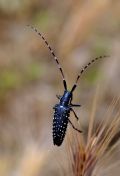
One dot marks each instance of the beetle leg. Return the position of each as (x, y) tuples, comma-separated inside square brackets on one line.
[(74, 113), (75, 105), (58, 96), (74, 127)]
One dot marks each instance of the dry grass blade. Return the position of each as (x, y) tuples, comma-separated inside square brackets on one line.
[(87, 158), (92, 116)]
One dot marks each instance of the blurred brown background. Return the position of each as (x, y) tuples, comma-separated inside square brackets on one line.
[(29, 79)]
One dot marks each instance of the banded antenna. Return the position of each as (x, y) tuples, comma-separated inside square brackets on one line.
[(84, 69), (53, 54)]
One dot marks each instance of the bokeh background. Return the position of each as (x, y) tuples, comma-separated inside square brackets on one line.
[(29, 79)]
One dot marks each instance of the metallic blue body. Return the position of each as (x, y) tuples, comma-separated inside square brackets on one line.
[(60, 120), (62, 110), (66, 99)]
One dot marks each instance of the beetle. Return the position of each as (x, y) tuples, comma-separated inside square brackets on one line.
[(64, 106)]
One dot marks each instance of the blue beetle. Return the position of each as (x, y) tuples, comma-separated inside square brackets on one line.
[(61, 117), (65, 106)]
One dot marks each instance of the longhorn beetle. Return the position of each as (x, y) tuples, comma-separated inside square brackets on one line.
[(65, 106)]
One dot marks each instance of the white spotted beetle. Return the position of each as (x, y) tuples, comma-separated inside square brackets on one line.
[(65, 106)]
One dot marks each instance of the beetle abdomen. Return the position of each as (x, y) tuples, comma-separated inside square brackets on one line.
[(60, 122)]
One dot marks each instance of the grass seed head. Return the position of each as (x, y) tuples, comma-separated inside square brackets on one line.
[(98, 155)]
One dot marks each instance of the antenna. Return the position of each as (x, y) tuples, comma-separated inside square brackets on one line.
[(84, 69), (53, 54)]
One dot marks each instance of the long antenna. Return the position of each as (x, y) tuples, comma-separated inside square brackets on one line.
[(84, 69), (53, 54)]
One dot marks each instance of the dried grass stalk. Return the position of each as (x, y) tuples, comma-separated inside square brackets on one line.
[(96, 155)]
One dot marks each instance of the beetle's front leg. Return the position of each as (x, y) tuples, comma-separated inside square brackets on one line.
[(58, 96), (75, 105)]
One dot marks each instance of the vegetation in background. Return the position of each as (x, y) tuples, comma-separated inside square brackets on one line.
[(26, 100)]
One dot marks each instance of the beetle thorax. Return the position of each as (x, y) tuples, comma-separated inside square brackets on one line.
[(66, 98)]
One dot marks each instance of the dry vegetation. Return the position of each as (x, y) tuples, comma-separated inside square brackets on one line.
[(78, 30), (98, 152)]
